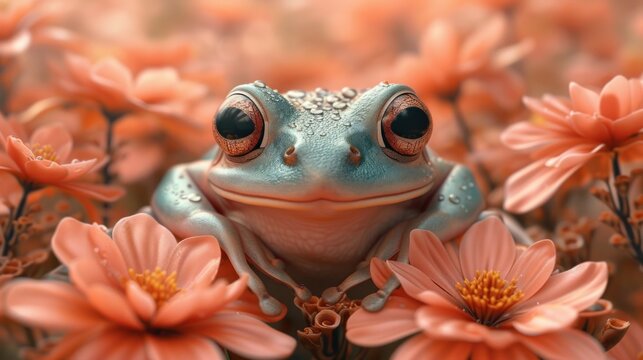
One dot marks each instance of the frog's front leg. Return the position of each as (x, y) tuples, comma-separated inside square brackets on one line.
[(451, 210), (181, 206)]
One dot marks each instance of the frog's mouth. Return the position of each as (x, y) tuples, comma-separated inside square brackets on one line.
[(333, 204)]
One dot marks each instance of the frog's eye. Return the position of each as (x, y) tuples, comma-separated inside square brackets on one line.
[(405, 127), (238, 126)]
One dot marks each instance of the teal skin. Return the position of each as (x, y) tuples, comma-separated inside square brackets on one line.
[(320, 196)]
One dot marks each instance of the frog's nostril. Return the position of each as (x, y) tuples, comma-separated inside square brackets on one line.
[(354, 155), (290, 156)]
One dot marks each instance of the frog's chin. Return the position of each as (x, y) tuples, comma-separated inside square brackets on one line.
[(322, 204)]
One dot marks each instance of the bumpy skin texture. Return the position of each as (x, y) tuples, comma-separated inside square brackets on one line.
[(321, 215)]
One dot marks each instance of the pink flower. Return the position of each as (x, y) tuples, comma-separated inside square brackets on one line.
[(112, 85), (447, 58), (490, 300), (141, 296), (47, 159), (569, 134)]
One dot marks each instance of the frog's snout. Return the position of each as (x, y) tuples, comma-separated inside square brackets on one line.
[(353, 155)]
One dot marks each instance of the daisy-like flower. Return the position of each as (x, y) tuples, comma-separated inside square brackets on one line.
[(47, 160), (447, 58), (570, 133), (141, 296), (490, 300), (112, 85)]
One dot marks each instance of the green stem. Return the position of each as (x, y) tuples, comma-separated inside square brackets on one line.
[(10, 230), (111, 118)]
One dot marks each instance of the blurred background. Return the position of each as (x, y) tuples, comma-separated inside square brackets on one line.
[(471, 61)]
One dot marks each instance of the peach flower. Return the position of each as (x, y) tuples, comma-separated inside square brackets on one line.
[(141, 296), (16, 19), (113, 86), (490, 300), (570, 134), (447, 58), (47, 160)]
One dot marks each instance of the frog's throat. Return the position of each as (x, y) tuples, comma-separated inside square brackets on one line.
[(322, 203)]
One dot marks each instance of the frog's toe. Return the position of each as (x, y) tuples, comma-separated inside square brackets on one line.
[(302, 293), (374, 302), (270, 306), (332, 295)]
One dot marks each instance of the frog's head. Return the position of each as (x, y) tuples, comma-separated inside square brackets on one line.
[(318, 150)]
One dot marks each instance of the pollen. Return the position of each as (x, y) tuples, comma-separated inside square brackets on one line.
[(44, 152), (157, 283), (488, 296)]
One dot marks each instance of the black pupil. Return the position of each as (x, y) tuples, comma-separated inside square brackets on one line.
[(233, 123), (411, 123)]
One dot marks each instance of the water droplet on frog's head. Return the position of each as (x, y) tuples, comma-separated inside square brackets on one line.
[(349, 92), (347, 124), (308, 105), (463, 187), (321, 91), (194, 198), (335, 117), (384, 84), (183, 196), (316, 111), (331, 98), (322, 134), (310, 132), (454, 199), (339, 105), (259, 84), (295, 94), (440, 197), (292, 125)]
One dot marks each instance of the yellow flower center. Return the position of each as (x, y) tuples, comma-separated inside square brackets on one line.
[(44, 152), (488, 296), (157, 283)]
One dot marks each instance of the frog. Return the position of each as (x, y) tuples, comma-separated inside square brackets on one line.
[(308, 186)]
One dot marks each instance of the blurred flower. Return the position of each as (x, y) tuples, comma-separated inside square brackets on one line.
[(447, 58), (141, 295), (489, 300), (47, 160), (112, 86), (631, 346), (16, 19), (569, 134)]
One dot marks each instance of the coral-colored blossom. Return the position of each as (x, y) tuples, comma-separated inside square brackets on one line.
[(141, 296), (490, 300), (47, 160), (113, 86), (572, 133)]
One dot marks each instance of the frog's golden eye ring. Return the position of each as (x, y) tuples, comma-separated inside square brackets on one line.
[(238, 126), (406, 126)]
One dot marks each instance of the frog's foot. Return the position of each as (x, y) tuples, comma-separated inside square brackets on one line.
[(263, 258), (376, 301), (269, 305)]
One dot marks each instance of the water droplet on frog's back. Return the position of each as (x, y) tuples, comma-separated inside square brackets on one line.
[(194, 198), (454, 199), (440, 197), (259, 84)]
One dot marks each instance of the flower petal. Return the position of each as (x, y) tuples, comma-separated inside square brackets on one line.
[(533, 267), (578, 154), (49, 305), (190, 303), (105, 193), (423, 347), (487, 245), (113, 344), (414, 281), (44, 171), (428, 254), (113, 305), (182, 347), (476, 49), (614, 99), (245, 335), (195, 260), (74, 239), (380, 273), (513, 352), (534, 184), (583, 100), (590, 126), (395, 321), (544, 318), (579, 287), (142, 302), (564, 344), (627, 126), (55, 136), (144, 243)]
